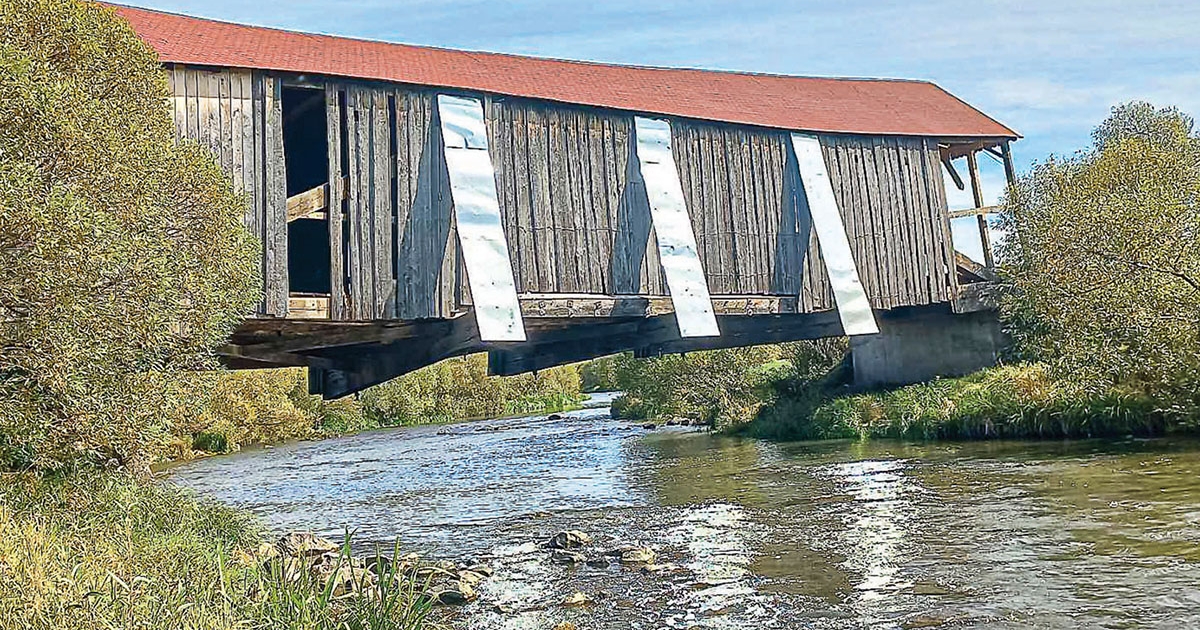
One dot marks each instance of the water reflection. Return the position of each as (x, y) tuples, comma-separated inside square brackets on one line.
[(811, 535)]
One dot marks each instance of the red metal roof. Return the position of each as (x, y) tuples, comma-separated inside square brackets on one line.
[(864, 106)]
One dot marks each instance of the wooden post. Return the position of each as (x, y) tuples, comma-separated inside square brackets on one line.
[(977, 192), (1010, 173)]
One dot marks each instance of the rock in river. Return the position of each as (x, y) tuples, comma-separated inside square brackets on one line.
[(570, 539), (637, 555), (576, 599), (562, 556), (305, 544)]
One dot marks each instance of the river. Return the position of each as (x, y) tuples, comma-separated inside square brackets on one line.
[(841, 534)]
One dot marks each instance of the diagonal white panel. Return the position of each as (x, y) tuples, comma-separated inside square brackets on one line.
[(477, 211), (673, 229), (854, 308)]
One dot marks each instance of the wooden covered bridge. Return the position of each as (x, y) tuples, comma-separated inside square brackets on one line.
[(417, 203)]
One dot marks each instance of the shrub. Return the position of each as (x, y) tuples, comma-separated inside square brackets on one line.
[(124, 252), (723, 388), (460, 388), (1104, 260), (599, 375)]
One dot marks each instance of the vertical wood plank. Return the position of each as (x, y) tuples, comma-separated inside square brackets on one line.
[(527, 278), (334, 139)]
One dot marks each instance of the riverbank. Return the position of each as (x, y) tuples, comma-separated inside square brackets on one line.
[(225, 411), (97, 549), (1007, 402), (803, 391)]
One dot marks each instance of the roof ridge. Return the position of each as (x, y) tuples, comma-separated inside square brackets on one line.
[(869, 106), (523, 56)]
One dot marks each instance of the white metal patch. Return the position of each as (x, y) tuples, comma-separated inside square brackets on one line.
[(854, 308), (477, 211), (673, 229)]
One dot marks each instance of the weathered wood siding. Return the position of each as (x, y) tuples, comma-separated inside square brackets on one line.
[(571, 198), (752, 224), (369, 204), (237, 114)]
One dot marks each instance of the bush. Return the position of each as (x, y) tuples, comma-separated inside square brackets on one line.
[(460, 388), (221, 411), (1104, 260), (722, 388), (124, 252), (599, 375)]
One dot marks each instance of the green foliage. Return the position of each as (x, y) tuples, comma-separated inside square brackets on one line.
[(124, 252), (460, 388), (599, 375), (219, 411), (722, 388), (1018, 401), (98, 550), (1103, 258)]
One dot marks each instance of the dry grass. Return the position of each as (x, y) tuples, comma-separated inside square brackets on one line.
[(99, 550)]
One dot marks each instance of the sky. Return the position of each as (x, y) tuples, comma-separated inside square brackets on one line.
[(1051, 69)]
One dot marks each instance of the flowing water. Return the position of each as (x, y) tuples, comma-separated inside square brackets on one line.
[(763, 535)]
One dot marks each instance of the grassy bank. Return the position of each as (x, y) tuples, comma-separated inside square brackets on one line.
[(1015, 401), (801, 391), (226, 410), (101, 550)]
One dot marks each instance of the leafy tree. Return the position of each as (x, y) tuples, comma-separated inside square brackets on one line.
[(1104, 256), (123, 252)]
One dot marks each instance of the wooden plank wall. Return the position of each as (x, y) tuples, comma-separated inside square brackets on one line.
[(237, 115), (399, 252), (898, 221), (369, 204), (751, 219), (429, 276), (571, 199)]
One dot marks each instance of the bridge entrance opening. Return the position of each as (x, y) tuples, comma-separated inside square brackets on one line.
[(305, 149)]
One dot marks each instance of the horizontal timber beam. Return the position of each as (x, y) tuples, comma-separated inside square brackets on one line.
[(309, 204), (972, 212)]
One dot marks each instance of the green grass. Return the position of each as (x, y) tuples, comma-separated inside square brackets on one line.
[(101, 550), (1016, 401)]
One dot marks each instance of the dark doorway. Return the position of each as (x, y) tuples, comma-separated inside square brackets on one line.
[(305, 150)]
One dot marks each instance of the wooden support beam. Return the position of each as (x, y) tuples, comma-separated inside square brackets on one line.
[(1010, 173), (985, 238), (971, 212), (958, 180), (590, 305), (970, 271), (739, 331), (309, 204), (308, 307)]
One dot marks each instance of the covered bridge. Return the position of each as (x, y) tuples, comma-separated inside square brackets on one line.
[(417, 203)]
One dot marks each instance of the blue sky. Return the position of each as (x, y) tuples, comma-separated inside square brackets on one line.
[(1049, 69)]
